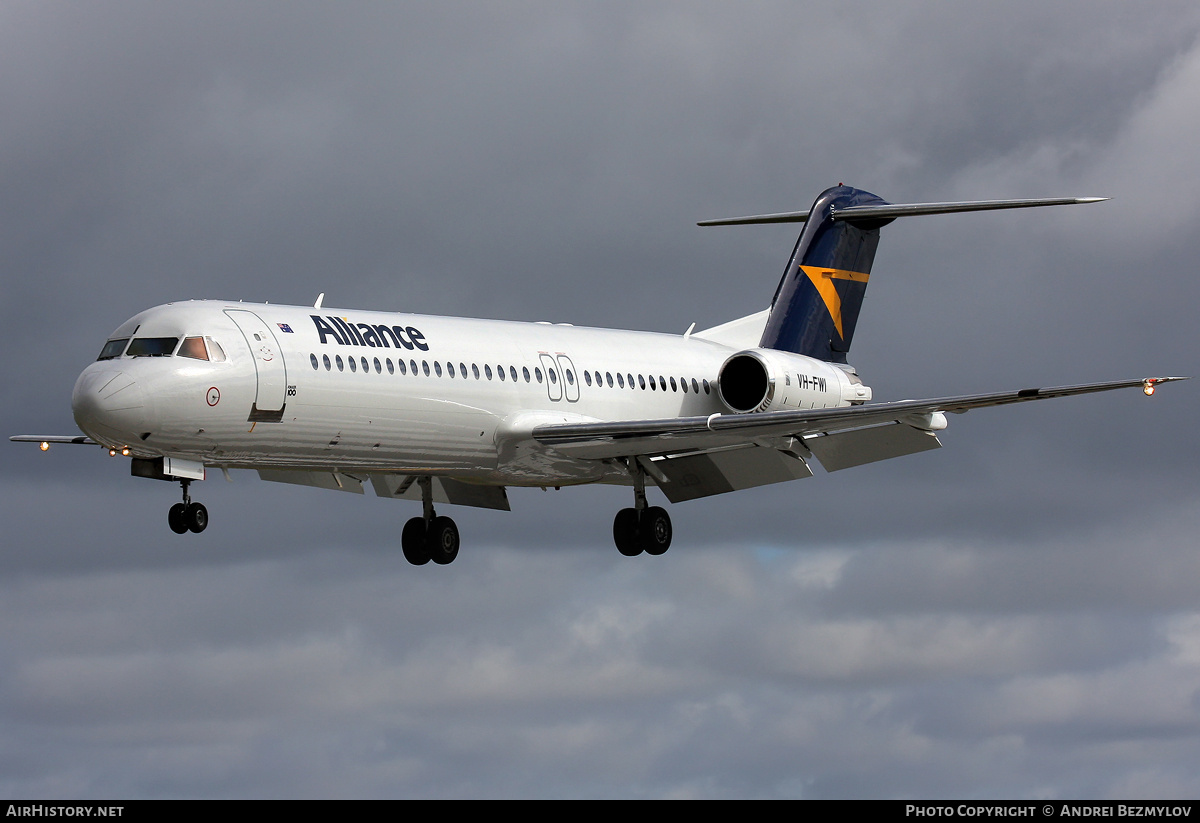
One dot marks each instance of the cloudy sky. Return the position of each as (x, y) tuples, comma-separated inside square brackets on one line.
[(1014, 615)]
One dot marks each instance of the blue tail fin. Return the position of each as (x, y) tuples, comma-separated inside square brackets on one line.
[(816, 305)]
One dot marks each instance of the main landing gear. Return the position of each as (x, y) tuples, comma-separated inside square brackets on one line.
[(187, 516), (429, 537), (642, 528)]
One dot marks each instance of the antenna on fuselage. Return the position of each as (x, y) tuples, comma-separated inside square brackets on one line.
[(320, 299)]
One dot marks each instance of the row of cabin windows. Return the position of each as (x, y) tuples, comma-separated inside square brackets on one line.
[(607, 379), (510, 373)]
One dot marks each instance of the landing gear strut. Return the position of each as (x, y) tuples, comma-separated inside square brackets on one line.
[(642, 528), (187, 516), (429, 537)]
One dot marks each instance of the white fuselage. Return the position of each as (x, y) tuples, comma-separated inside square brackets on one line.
[(344, 390)]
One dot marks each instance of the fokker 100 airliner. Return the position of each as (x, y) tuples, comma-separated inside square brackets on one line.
[(453, 410)]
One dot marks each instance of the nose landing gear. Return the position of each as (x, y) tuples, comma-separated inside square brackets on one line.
[(187, 516), (429, 537)]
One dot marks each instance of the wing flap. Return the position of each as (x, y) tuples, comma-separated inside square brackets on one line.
[(844, 450), (335, 481), (395, 486), (701, 475), (445, 490)]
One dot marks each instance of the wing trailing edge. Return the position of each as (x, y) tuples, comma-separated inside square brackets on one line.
[(677, 435)]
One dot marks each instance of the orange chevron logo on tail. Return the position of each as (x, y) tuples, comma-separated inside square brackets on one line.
[(822, 279)]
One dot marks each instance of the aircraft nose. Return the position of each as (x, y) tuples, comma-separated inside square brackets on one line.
[(109, 405)]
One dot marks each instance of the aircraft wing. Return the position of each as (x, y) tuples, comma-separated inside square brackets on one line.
[(724, 447), (47, 439)]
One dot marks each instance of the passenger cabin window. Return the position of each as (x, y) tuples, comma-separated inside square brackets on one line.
[(193, 347), (152, 346), (113, 348)]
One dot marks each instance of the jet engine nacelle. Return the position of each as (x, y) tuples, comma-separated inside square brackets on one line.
[(757, 380)]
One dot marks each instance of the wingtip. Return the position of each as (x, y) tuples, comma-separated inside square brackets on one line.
[(1091, 199), (1149, 384)]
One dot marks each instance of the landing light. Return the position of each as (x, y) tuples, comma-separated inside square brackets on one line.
[(1148, 387), (112, 452), (125, 452), (44, 445)]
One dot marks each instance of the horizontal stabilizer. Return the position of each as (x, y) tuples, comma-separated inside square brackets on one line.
[(781, 217), (890, 211)]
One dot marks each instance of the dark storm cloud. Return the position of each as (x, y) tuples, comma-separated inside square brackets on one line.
[(1008, 616)]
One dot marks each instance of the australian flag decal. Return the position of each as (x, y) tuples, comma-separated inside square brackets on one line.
[(285, 327)]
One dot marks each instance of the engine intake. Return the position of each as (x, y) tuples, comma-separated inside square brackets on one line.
[(755, 380), (745, 384)]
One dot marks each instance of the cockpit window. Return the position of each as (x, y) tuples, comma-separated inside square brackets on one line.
[(113, 348), (152, 346), (215, 351), (193, 347)]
